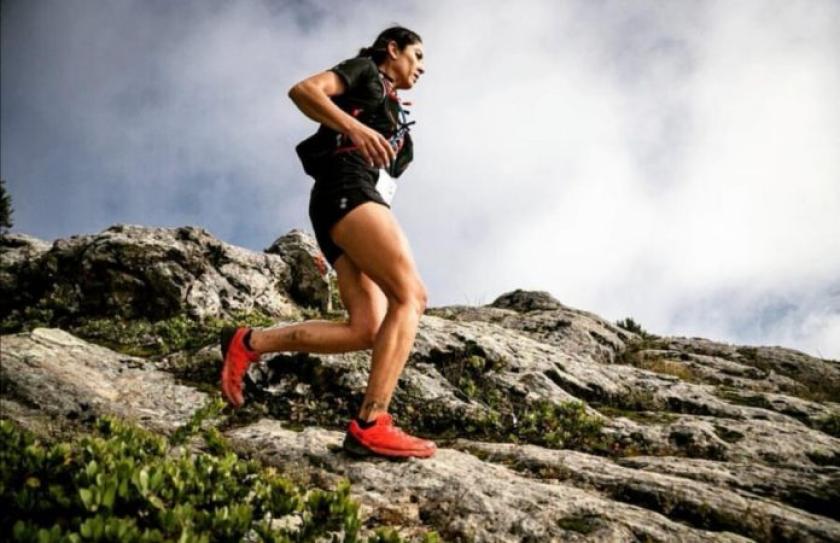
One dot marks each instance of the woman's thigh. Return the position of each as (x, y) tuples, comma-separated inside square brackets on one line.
[(374, 241), (363, 299)]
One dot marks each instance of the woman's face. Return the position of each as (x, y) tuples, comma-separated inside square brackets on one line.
[(406, 65)]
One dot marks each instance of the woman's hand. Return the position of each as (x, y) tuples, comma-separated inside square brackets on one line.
[(374, 147)]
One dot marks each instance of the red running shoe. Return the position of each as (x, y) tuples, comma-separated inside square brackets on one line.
[(385, 439), (237, 357)]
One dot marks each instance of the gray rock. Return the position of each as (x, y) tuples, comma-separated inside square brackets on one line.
[(800, 373), (19, 258), (18, 247), (130, 272), (541, 317), (678, 496), (466, 498), (53, 373), (309, 277), (814, 489), (524, 301)]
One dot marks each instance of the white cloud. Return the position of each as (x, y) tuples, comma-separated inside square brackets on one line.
[(701, 162)]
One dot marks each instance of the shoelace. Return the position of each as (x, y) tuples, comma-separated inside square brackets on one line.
[(396, 430)]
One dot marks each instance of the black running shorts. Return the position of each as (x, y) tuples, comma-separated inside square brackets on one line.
[(332, 199)]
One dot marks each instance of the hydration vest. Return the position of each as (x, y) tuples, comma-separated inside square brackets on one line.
[(387, 116)]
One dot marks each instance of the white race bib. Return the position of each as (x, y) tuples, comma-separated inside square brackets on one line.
[(387, 186)]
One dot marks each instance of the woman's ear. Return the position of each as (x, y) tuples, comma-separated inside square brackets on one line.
[(393, 50)]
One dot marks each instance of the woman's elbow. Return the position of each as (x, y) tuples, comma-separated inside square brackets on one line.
[(300, 89), (295, 91)]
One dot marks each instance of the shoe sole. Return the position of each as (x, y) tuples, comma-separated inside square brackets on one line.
[(225, 337), (356, 448)]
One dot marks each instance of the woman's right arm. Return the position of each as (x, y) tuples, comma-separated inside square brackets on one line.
[(312, 97)]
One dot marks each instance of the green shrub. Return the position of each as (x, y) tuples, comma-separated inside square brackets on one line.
[(211, 410), (123, 483), (26, 320), (582, 523), (632, 326), (142, 338), (566, 425), (389, 535), (741, 397)]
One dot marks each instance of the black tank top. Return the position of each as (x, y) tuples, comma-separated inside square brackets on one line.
[(369, 97)]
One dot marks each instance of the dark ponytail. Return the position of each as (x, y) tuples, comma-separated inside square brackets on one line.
[(379, 50)]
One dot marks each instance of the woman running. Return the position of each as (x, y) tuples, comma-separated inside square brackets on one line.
[(362, 145)]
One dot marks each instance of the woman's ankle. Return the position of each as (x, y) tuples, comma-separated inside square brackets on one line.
[(369, 414), (251, 341)]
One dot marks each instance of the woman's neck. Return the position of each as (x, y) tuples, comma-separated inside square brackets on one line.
[(384, 70)]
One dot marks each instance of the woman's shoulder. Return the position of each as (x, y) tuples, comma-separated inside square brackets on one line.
[(359, 63), (356, 68), (361, 77)]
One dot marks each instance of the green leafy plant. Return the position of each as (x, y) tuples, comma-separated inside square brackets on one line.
[(143, 338), (211, 410), (123, 483), (565, 425), (632, 326)]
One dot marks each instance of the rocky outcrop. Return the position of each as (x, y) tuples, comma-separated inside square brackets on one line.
[(309, 277), (683, 498), (553, 424), (130, 272), (538, 315), (63, 377), (467, 498)]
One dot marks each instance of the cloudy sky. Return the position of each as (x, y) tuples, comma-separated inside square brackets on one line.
[(676, 162)]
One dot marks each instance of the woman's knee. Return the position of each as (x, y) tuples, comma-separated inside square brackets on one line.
[(422, 299), (366, 335), (410, 293)]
